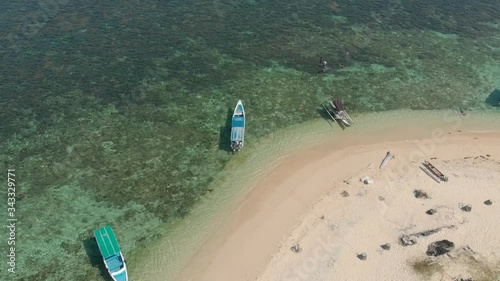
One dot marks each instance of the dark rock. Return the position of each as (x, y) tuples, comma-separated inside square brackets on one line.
[(344, 193), (438, 248), (296, 248), (386, 246), (381, 198), (466, 208), (431, 212), (420, 194), (488, 202), (408, 240), (362, 256), (367, 180), (322, 217)]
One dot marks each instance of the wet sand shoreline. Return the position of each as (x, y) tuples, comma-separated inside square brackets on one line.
[(254, 239)]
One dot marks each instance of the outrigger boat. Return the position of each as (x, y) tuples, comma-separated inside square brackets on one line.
[(430, 174), (434, 171), (111, 253), (336, 110), (238, 127)]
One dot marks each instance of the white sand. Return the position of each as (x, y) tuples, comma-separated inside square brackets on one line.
[(287, 206)]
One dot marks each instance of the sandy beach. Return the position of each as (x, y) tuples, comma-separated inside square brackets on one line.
[(315, 200)]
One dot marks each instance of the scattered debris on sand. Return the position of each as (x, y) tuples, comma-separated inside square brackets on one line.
[(362, 256), (466, 208), (421, 194), (462, 279), (438, 248), (411, 239), (432, 231), (367, 180), (386, 246), (344, 193), (408, 240), (431, 212), (296, 248)]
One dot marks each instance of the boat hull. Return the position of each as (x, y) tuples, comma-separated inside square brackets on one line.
[(238, 123), (111, 253), (120, 275), (338, 113)]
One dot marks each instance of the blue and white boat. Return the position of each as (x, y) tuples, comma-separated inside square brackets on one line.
[(238, 128), (111, 253)]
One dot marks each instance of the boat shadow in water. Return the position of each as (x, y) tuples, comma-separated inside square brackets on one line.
[(95, 258), (225, 133), (494, 98), (328, 118)]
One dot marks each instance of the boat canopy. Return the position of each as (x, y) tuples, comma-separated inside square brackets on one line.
[(238, 127), (238, 121), (114, 263), (106, 240)]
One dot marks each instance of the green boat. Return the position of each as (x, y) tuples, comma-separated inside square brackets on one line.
[(111, 253)]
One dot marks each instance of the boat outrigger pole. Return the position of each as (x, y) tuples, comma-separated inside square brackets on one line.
[(327, 111)]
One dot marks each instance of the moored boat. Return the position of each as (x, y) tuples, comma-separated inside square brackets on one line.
[(337, 111), (111, 253), (238, 127)]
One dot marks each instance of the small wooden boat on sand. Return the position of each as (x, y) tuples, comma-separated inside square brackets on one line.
[(435, 171), (238, 127), (111, 253), (430, 174), (335, 108)]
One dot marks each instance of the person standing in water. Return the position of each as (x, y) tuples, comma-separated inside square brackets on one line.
[(348, 56), (322, 64)]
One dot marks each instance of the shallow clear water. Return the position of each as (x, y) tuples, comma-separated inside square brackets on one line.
[(117, 113)]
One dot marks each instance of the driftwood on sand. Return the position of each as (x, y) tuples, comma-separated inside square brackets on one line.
[(411, 239), (388, 156)]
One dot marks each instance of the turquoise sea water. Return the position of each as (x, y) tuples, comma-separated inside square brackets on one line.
[(117, 112)]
